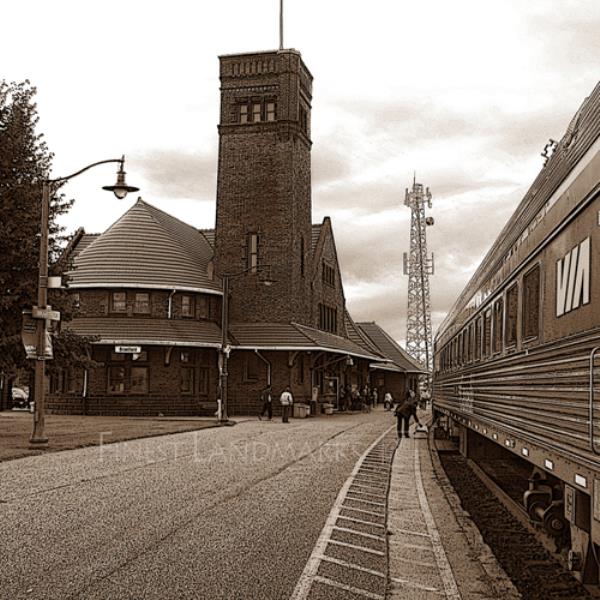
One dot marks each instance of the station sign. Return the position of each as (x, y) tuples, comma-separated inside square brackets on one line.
[(45, 313), (128, 349), (29, 338)]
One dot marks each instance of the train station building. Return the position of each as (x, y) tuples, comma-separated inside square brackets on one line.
[(149, 290)]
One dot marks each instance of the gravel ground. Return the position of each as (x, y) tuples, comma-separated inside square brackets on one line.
[(74, 431), (224, 513), (533, 571)]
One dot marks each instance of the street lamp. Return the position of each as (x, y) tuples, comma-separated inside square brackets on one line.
[(225, 349), (120, 190)]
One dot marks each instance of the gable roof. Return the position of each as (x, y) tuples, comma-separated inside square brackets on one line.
[(357, 335), (390, 349), (145, 248)]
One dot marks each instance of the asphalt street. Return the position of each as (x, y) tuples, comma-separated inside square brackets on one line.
[(228, 513)]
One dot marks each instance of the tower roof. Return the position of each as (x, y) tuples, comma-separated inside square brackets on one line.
[(146, 248)]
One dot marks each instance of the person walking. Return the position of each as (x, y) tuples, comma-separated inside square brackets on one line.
[(388, 401), (267, 403), (374, 397), (286, 400), (404, 412)]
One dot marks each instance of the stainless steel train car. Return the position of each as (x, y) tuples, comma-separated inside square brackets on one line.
[(517, 359)]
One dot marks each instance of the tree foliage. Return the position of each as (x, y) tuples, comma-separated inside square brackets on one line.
[(24, 162)]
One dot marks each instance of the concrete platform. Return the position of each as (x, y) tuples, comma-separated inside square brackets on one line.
[(434, 548)]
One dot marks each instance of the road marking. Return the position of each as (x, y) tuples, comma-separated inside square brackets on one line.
[(348, 588), (367, 494), (371, 523), (368, 487), (369, 536), (309, 574), (365, 512), (343, 563), (450, 587), (365, 501), (354, 547)]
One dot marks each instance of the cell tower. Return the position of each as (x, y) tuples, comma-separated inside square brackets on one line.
[(418, 266)]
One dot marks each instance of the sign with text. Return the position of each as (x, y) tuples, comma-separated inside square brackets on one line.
[(46, 313), (30, 338), (128, 349)]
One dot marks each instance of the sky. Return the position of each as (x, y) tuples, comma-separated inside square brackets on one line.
[(464, 93)]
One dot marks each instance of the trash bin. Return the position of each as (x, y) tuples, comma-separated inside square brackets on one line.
[(301, 411), (327, 408)]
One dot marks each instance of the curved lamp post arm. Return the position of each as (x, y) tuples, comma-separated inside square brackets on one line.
[(100, 162)]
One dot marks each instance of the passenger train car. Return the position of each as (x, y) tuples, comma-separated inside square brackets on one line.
[(517, 359)]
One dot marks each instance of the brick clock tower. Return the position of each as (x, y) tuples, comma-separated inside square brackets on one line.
[(264, 185)]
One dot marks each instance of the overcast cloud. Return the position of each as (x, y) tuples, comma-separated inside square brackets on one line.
[(464, 93)]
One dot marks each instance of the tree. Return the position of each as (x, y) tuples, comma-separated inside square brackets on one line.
[(24, 161)]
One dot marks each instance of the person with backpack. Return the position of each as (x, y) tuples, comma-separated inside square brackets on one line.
[(404, 412)]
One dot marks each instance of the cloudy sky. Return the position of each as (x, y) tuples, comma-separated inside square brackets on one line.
[(465, 93)]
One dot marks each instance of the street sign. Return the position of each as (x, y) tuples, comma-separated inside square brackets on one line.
[(54, 282), (30, 338), (46, 313), (128, 349)]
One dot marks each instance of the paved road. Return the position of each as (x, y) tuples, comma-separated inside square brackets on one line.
[(228, 513)]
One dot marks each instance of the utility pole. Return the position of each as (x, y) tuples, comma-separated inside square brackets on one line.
[(418, 266)]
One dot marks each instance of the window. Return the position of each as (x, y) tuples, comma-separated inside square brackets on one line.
[(116, 380), (498, 316), (251, 367), (252, 252), (478, 339), (243, 113), (202, 307), (119, 302), (487, 332), (187, 306), (203, 379), (531, 303), (139, 380), (327, 318), (271, 115), (142, 303), (186, 384), (512, 307), (328, 274), (471, 341), (255, 112), (184, 357), (303, 119), (302, 250)]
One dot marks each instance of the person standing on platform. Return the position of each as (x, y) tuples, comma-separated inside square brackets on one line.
[(286, 400), (267, 403), (404, 412)]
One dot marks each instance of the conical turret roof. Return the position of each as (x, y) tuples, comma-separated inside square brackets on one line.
[(146, 248)]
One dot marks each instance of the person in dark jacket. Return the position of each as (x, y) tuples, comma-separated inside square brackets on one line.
[(267, 403), (404, 412)]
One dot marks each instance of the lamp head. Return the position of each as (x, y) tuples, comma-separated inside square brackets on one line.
[(120, 189)]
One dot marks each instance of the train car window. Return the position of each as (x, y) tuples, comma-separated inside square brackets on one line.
[(471, 341), (531, 303), (498, 317), (478, 339), (512, 307), (487, 332), (467, 348)]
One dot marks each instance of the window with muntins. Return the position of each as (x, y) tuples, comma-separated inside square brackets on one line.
[(118, 302), (327, 318), (142, 303), (487, 332), (252, 252), (187, 306), (328, 274)]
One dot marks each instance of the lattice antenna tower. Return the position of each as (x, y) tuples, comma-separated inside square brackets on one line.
[(419, 266)]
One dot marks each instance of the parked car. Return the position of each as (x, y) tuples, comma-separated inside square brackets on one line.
[(20, 397)]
